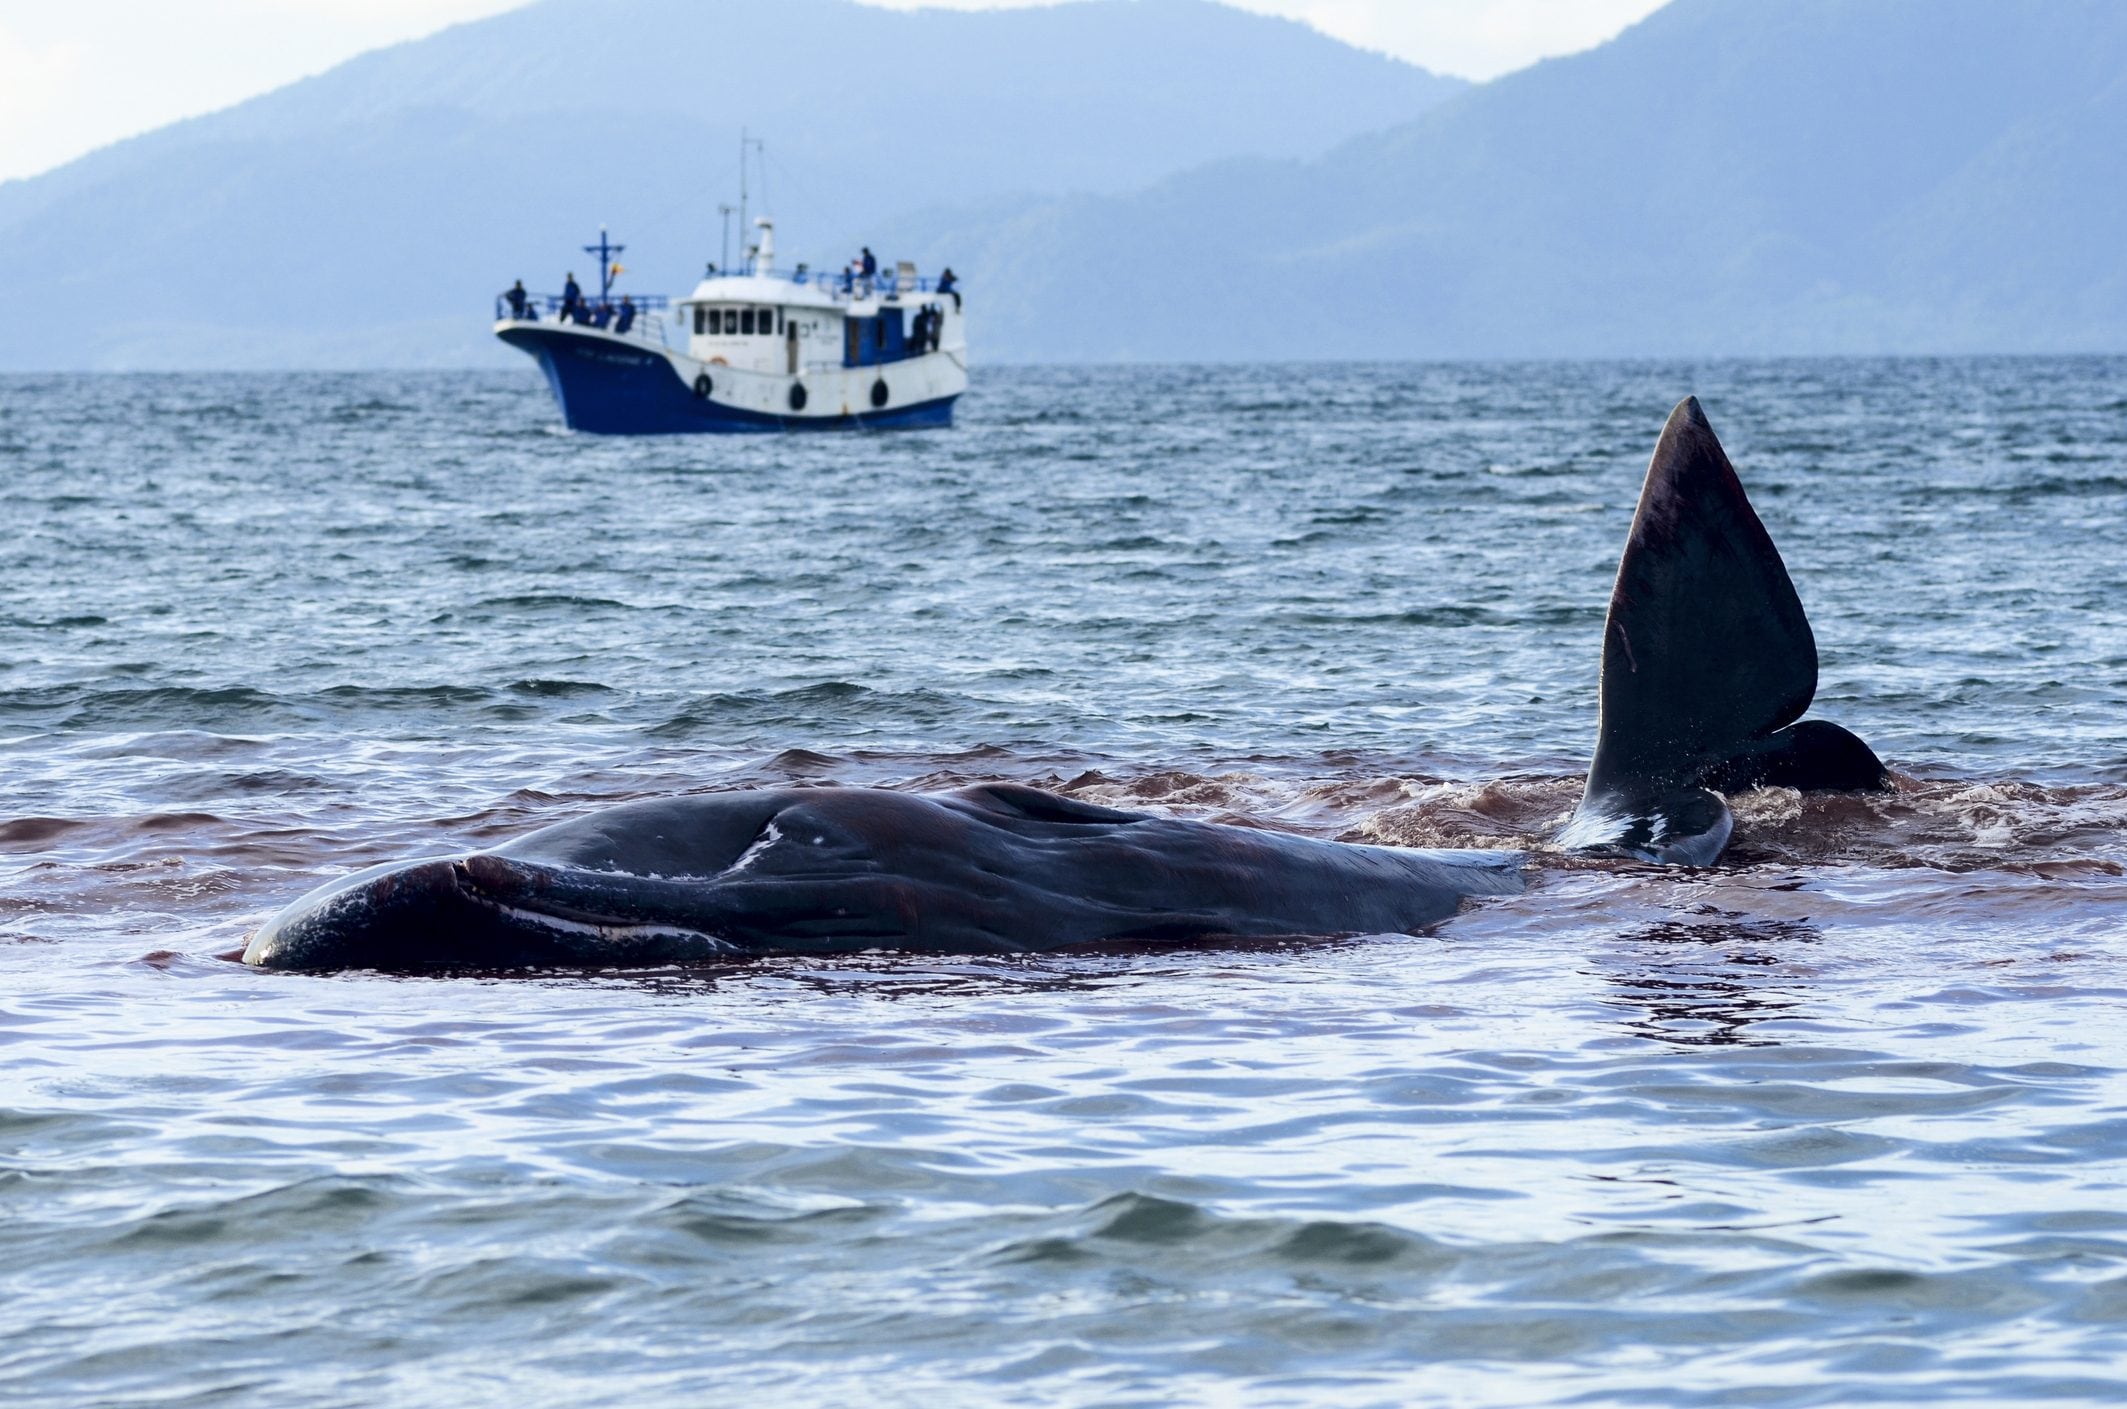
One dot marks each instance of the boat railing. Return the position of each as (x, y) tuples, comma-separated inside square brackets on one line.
[(848, 283), (651, 308), (843, 283), (555, 308)]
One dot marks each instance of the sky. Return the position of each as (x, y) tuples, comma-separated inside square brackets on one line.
[(77, 75)]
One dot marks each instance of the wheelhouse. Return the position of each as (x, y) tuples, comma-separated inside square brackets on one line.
[(737, 320)]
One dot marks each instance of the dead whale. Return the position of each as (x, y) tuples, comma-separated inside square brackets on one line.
[(1708, 662)]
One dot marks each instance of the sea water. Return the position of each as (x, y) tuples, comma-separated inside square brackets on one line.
[(1841, 1120)]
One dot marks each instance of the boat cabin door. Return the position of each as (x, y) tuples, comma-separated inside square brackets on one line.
[(790, 343)]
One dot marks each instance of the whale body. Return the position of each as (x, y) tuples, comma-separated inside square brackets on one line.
[(1708, 664), (996, 868)]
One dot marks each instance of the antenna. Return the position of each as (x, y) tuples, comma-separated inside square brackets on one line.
[(725, 211), (746, 142)]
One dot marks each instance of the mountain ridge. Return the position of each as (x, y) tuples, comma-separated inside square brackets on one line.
[(507, 140), (1723, 177), (1822, 176)]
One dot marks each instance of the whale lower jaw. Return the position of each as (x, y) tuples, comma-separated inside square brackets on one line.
[(609, 936), (1688, 827)]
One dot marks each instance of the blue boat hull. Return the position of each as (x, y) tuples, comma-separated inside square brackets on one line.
[(606, 387)]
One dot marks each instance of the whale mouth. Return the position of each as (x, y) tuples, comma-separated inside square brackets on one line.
[(610, 933), (552, 903), (477, 913)]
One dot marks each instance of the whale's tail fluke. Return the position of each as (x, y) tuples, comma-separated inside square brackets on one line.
[(1707, 661)]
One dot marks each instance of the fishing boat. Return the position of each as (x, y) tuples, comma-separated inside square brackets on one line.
[(750, 349)]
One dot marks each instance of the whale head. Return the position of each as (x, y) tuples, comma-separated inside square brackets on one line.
[(483, 912), (390, 916)]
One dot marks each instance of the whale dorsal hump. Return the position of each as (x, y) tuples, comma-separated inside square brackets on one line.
[(1707, 647), (1018, 802)]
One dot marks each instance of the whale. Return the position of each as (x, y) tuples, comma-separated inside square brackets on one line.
[(1708, 665)]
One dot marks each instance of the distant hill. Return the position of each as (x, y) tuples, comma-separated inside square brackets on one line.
[(1726, 177), (1155, 179), (364, 217)]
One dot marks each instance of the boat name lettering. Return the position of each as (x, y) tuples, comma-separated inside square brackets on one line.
[(622, 359)]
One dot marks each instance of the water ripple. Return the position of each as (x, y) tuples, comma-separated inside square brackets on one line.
[(1837, 1122)]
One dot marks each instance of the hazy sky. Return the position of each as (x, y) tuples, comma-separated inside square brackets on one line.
[(78, 74)]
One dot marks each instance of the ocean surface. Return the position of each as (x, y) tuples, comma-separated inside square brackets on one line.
[(1840, 1121)]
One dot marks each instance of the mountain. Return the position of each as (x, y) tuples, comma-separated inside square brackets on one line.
[(1153, 179), (1725, 177), (365, 217)]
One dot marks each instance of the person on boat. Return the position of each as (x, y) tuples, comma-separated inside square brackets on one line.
[(948, 283), (603, 316), (516, 299), (627, 315), (919, 330), (571, 299), (937, 324)]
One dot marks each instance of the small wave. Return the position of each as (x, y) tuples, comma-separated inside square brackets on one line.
[(90, 707), (779, 708), (35, 832), (561, 689), (801, 763), (537, 600)]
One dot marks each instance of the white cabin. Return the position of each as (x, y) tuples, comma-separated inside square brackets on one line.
[(791, 324)]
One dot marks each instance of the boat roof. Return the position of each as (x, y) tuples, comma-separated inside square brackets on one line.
[(762, 288), (811, 289)]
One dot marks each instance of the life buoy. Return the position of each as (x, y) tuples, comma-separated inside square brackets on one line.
[(797, 396), (878, 392), (703, 386)]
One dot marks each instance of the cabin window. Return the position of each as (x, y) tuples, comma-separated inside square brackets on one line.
[(768, 320), (746, 321), (701, 319), (731, 320)]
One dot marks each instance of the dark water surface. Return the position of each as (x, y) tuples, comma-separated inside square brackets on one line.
[(1843, 1120)]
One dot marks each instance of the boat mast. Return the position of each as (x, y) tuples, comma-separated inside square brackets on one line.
[(605, 252)]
